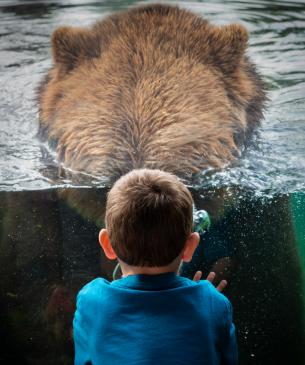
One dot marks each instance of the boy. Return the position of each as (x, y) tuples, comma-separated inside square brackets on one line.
[(151, 315)]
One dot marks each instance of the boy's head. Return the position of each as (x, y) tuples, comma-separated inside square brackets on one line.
[(148, 218)]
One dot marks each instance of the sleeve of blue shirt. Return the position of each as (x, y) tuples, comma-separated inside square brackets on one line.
[(80, 335), (229, 355)]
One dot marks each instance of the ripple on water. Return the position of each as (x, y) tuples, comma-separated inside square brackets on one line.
[(274, 162)]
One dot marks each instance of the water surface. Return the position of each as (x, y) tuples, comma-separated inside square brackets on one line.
[(273, 163)]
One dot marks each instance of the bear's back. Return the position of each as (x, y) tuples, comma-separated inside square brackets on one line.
[(155, 87)]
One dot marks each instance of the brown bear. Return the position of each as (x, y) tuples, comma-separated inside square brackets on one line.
[(154, 86)]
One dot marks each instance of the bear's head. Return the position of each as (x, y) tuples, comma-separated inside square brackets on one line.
[(155, 87)]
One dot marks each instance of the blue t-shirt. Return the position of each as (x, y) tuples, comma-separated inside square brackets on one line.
[(153, 319)]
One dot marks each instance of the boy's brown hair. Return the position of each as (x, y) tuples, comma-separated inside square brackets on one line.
[(148, 217)]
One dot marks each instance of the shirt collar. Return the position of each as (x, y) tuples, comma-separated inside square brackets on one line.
[(150, 282)]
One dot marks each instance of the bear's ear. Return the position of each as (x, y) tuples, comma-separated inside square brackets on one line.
[(71, 46), (228, 45)]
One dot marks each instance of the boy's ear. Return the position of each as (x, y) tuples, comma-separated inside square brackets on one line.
[(190, 246), (103, 238)]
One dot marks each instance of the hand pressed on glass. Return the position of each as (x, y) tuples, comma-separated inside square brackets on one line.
[(220, 287)]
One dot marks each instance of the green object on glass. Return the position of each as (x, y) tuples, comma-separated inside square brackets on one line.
[(201, 220)]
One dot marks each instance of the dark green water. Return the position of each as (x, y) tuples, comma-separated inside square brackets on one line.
[(49, 249), (49, 222)]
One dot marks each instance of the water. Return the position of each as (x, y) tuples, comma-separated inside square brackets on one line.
[(49, 249), (273, 163), (49, 222)]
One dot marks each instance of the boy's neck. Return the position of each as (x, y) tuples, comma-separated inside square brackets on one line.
[(137, 270)]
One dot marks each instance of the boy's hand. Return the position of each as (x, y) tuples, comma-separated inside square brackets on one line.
[(220, 287)]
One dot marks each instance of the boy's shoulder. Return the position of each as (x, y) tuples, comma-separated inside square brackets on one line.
[(94, 284), (95, 289), (91, 290), (208, 289)]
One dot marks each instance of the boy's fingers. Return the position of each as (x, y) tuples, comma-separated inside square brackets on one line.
[(211, 277), (222, 285), (197, 276)]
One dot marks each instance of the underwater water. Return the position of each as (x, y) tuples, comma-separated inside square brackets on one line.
[(49, 222)]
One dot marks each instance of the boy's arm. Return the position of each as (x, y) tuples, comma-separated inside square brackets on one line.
[(229, 355), (80, 335)]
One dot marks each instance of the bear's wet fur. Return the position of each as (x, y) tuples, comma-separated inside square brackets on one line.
[(155, 86)]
